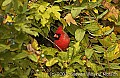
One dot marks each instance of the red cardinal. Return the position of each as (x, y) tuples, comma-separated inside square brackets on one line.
[(62, 40)]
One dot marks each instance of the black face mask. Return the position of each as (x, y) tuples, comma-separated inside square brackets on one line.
[(58, 36)]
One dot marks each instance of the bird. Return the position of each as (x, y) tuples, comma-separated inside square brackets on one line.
[(62, 40)]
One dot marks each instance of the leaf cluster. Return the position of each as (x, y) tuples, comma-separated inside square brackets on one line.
[(93, 27)]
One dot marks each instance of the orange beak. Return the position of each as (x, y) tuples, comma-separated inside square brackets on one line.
[(55, 36)]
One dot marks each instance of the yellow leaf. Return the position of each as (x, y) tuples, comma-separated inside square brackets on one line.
[(8, 19), (69, 19), (111, 20), (96, 11), (46, 15), (102, 31), (42, 8), (80, 1), (106, 29), (114, 53), (44, 21), (112, 10), (54, 10), (35, 44), (51, 62), (57, 15), (93, 0)]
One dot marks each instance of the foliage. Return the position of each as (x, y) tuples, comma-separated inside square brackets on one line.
[(93, 27)]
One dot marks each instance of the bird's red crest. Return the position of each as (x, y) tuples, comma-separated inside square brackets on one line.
[(60, 28)]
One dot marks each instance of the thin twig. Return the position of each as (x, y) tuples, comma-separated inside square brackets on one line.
[(51, 41), (54, 44)]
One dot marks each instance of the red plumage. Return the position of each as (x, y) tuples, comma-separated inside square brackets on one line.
[(62, 39)]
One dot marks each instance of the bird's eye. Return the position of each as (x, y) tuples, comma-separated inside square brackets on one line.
[(57, 36)]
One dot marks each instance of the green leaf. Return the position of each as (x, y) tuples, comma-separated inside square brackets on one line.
[(42, 75), (61, 65), (15, 4), (27, 29), (63, 22), (114, 65), (4, 47), (28, 71), (99, 49), (91, 5), (76, 59), (101, 15), (79, 34), (118, 23), (45, 31), (63, 55), (8, 7), (25, 6), (21, 37), (51, 62), (113, 37), (77, 47), (21, 55), (34, 5), (10, 70), (57, 1), (72, 28), (85, 41), (33, 57), (70, 52), (49, 51), (106, 42), (93, 66), (70, 70), (111, 48), (95, 34), (68, 7), (56, 8), (92, 26), (6, 2), (75, 11), (89, 52), (108, 0)]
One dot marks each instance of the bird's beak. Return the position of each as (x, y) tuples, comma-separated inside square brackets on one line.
[(55, 36)]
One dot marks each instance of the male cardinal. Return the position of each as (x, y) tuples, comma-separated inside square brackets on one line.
[(62, 40)]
